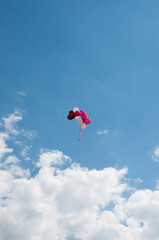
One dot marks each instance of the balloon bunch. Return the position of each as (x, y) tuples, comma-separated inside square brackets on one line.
[(83, 121)]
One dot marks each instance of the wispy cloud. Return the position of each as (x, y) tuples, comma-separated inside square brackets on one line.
[(21, 93), (8, 125), (155, 155), (12, 159), (10, 131), (10, 122), (29, 134), (105, 131), (3, 144), (138, 180), (24, 152)]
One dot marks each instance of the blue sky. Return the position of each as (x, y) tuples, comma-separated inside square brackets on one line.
[(101, 56)]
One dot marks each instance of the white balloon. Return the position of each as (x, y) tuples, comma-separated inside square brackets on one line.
[(80, 121), (77, 117), (76, 109), (83, 125)]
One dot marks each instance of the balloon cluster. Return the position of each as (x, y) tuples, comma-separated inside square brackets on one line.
[(76, 113)]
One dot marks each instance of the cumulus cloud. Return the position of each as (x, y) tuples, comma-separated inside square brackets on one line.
[(11, 165), (57, 203), (105, 131), (74, 201), (53, 157), (66, 201)]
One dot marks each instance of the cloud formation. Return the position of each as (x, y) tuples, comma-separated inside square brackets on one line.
[(49, 158), (3, 145), (22, 93), (57, 203), (105, 131), (10, 122), (75, 201), (155, 155), (64, 200), (24, 152)]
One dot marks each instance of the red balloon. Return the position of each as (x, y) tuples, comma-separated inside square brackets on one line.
[(83, 116), (82, 112), (87, 121), (77, 113), (71, 115)]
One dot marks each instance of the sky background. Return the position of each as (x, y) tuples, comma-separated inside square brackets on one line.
[(100, 56)]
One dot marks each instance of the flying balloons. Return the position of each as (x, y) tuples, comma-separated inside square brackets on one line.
[(82, 119)]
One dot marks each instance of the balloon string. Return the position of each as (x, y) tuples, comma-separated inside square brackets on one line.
[(79, 134)]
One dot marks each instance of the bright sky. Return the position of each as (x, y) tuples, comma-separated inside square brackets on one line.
[(102, 57)]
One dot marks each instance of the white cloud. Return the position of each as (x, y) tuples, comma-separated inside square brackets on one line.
[(59, 201), (29, 134), (142, 210), (155, 155), (10, 131), (75, 202), (105, 131), (3, 145), (54, 157), (138, 180), (11, 165), (10, 122), (22, 93), (11, 160), (20, 143), (24, 152), (9, 125)]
